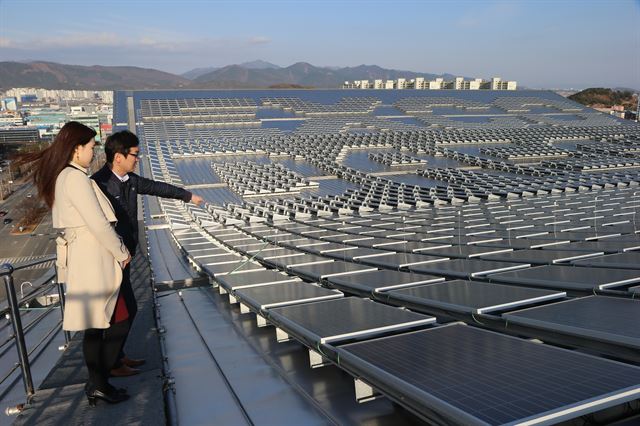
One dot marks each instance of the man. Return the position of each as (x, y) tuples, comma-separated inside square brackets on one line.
[(118, 182)]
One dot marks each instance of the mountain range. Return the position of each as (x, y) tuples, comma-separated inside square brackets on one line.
[(255, 74), (50, 75), (255, 65)]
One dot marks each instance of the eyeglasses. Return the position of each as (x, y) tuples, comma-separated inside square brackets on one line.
[(135, 154)]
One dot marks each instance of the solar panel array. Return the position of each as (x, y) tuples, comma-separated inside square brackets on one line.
[(514, 219), (251, 179)]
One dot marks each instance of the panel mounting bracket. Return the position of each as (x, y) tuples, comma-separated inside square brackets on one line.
[(282, 336), (364, 392), (316, 360), (260, 321)]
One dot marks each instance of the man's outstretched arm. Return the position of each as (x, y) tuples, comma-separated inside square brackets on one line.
[(165, 190)]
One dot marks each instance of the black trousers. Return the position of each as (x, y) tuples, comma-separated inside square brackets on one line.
[(132, 307), (127, 292), (101, 348)]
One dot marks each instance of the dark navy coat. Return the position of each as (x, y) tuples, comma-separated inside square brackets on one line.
[(124, 198)]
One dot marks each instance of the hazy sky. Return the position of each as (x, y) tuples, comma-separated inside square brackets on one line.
[(539, 43)]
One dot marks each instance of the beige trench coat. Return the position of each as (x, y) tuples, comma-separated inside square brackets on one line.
[(89, 251)]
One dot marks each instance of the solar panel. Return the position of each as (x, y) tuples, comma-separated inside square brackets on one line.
[(321, 271), (541, 257), (469, 297), (399, 246), (525, 243), (221, 260), (229, 235), (366, 283), (357, 254), (345, 318), (608, 319), (207, 253), (466, 268), (252, 279), (282, 294), (197, 243), (245, 248), (609, 245), (295, 260), (400, 260), (466, 375), (297, 241), (601, 233), (628, 260), (466, 252), (569, 277), (464, 239), (324, 247), (274, 253), (255, 247), (240, 266)]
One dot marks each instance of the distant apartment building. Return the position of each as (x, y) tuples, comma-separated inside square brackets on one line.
[(498, 84), (436, 84), (461, 84), (618, 111), (420, 83)]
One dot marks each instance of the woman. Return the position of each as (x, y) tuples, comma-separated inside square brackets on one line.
[(90, 254)]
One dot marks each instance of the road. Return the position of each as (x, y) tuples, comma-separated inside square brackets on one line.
[(41, 243)]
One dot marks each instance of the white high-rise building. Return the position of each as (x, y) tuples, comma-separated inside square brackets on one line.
[(420, 83)]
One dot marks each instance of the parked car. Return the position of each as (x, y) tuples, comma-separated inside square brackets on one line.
[(3, 213), (7, 220)]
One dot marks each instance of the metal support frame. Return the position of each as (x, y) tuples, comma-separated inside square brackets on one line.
[(13, 314), (18, 331)]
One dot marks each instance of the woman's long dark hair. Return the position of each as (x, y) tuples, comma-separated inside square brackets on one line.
[(49, 162)]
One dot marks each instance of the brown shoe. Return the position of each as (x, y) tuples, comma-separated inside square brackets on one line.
[(124, 371), (132, 362)]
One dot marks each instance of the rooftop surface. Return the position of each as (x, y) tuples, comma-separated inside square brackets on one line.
[(375, 259)]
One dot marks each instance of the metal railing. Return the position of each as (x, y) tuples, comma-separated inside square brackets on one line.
[(13, 313)]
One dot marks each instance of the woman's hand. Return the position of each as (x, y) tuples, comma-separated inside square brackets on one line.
[(125, 262)]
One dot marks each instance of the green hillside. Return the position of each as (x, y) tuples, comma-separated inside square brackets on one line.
[(603, 98)]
